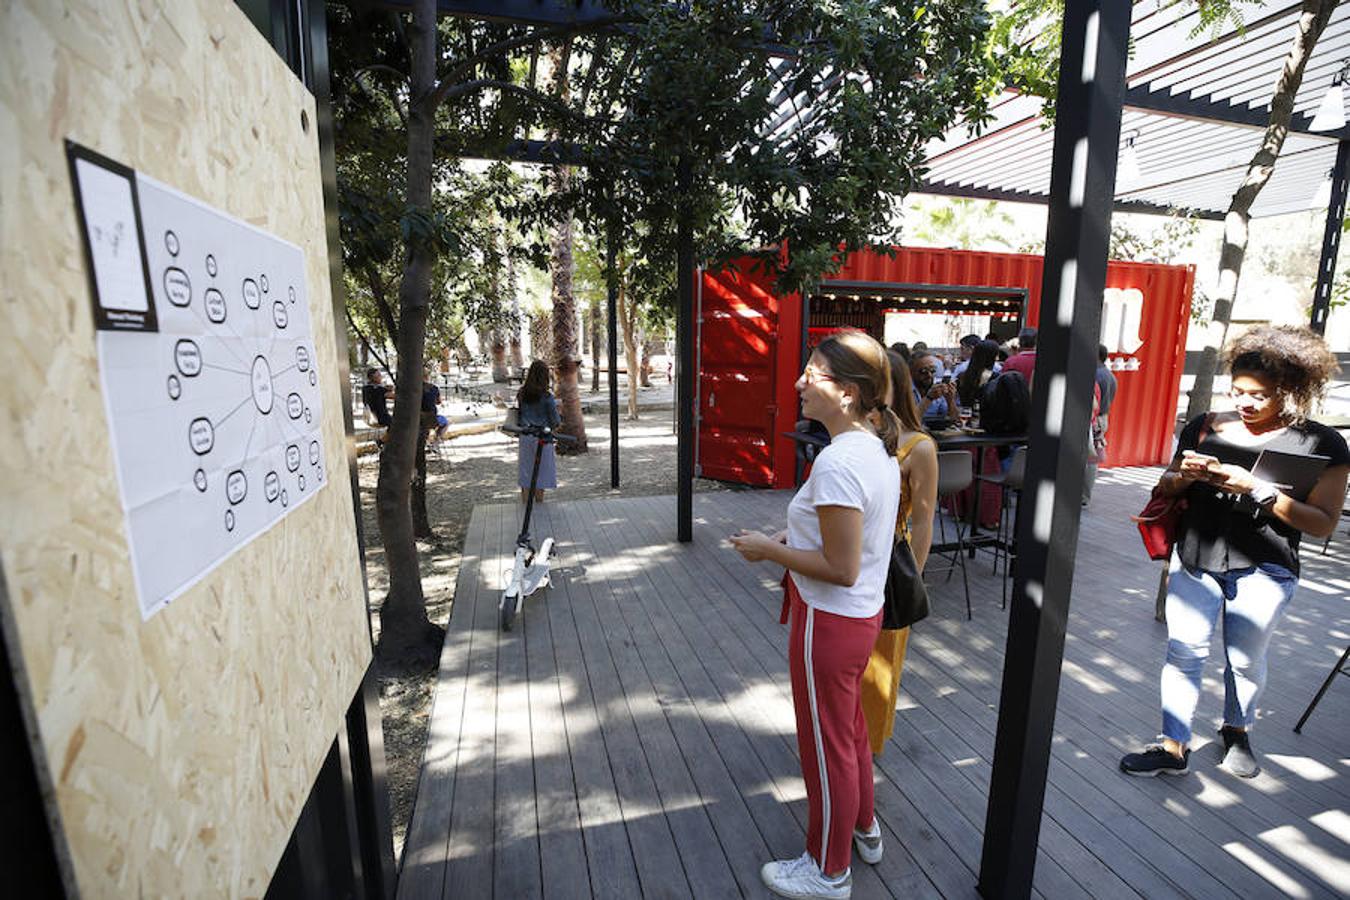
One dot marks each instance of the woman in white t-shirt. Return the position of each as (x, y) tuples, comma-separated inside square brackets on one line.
[(836, 550)]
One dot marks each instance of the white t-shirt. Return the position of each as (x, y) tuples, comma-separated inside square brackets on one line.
[(853, 471)]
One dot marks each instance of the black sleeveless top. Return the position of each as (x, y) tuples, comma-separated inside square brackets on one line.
[(1221, 531)]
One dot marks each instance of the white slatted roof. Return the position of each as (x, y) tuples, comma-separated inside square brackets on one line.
[(1196, 108)]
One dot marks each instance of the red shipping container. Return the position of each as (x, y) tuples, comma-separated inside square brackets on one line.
[(750, 338)]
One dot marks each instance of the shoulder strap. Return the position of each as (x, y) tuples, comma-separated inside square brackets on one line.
[(904, 449)]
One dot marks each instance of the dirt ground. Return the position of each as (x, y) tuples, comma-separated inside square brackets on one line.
[(481, 468)]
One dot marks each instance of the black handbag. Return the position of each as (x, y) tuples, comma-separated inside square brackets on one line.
[(906, 597)]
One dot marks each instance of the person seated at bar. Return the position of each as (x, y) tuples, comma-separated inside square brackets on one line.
[(1024, 360), (976, 372), (936, 401), (967, 349)]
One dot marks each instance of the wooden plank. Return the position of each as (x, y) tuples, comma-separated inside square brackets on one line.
[(1222, 825), (684, 809), (469, 865), (686, 695), (1120, 807), (517, 873), (896, 812), (609, 855), (660, 870), (740, 704), (562, 851), (646, 694), (422, 872), (974, 816)]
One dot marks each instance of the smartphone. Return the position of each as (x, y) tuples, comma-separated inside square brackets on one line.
[(946, 379), (1211, 463)]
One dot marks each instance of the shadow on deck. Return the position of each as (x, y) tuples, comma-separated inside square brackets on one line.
[(633, 736)]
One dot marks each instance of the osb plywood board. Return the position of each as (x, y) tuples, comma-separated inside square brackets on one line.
[(181, 748)]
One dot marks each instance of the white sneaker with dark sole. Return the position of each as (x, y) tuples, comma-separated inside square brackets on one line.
[(867, 844), (801, 879)]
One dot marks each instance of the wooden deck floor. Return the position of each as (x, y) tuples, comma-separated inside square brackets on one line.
[(633, 736)]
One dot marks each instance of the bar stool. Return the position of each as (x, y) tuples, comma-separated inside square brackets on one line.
[(955, 474), (1010, 488)]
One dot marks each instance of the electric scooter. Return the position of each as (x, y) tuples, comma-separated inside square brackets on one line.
[(529, 570)]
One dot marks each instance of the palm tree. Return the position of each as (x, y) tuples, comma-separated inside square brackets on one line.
[(565, 353)]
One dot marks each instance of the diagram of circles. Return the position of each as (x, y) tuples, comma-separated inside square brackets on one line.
[(214, 301), (260, 379), (187, 357), (177, 286)]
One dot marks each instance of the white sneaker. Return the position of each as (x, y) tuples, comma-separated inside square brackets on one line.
[(868, 845), (802, 879)]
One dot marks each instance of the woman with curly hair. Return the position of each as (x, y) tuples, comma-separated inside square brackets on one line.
[(1238, 548)]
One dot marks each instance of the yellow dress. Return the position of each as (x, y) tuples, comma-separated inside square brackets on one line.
[(881, 680)]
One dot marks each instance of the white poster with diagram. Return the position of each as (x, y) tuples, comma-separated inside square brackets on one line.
[(207, 362)]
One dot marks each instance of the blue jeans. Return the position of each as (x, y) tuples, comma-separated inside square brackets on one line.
[(1255, 600)]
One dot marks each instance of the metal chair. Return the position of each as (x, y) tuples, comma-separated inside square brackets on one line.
[(1010, 488), (955, 474)]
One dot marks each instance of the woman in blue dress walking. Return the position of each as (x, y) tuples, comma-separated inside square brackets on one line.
[(538, 407)]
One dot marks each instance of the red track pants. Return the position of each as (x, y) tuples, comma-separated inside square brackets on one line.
[(827, 655)]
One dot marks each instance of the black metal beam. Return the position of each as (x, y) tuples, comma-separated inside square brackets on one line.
[(520, 12), (1127, 206), (1221, 112), (1331, 239), (684, 372), (899, 288), (364, 755), (1082, 183), (612, 311), (33, 850)]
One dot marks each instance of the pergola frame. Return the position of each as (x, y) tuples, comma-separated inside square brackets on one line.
[(1092, 93), (1208, 95)]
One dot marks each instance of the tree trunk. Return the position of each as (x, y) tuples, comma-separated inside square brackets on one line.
[(541, 337), (408, 640), (628, 329), (517, 359), (497, 341), (649, 345), (1312, 19), (421, 521), (565, 340), (598, 327)]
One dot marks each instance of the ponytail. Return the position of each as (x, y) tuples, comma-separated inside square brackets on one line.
[(887, 426)]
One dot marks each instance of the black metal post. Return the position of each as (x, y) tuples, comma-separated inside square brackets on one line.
[(612, 311), (797, 474), (685, 374), (365, 730), (1082, 183), (1331, 238), (32, 843)]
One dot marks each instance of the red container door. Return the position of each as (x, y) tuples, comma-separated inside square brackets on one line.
[(742, 336)]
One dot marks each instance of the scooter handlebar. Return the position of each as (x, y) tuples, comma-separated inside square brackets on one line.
[(539, 431)]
